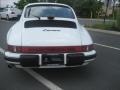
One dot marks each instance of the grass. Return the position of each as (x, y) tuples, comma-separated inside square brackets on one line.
[(105, 26)]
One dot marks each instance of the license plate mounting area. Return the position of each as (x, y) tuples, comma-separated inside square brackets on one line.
[(52, 59)]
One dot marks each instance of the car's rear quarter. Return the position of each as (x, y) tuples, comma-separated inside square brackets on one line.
[(54, 39)]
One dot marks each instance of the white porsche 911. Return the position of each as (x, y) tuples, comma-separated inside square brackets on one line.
[(48, 35)]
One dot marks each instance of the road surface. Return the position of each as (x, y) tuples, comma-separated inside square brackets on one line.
[(102, 74)]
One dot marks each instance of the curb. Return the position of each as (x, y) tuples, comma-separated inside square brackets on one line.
[(95, 19), (104, 31)]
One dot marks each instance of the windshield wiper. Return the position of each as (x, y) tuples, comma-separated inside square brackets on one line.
[(49, 17), (36, 17)]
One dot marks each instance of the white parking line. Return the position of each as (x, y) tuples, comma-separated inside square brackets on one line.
[(38, 77), (46, 82), (43, 80), (107, 46)]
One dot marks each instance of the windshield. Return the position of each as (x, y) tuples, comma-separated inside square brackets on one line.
[(50, 10), (1, 9)]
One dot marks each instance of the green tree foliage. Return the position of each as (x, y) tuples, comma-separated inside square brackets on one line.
[(83, 8), (22, 3), (89, 8), (118, 20), (118, 17), (69, 2)]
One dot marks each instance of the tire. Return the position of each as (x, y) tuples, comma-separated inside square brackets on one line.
[(7, 17), (0, 17)]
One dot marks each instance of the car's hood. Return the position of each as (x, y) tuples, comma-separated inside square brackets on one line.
[(46, 36)]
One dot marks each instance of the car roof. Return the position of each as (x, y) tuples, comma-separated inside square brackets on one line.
[(59, 4)]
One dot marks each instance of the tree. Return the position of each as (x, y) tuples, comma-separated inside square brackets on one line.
[(69, 2), (118, 17), (113, 9), (107, 5), (118, 20), (22, 3), (89, 8), (85, 8)]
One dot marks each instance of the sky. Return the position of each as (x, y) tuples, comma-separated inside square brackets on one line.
[(4, 3)]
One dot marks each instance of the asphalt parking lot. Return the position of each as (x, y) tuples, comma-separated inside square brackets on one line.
[(102, 74)]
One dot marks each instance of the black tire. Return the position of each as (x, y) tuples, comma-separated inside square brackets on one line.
[(7, 17), (0, 17)]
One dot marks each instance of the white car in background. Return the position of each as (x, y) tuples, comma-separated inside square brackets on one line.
[(48, 35), (9, 13)]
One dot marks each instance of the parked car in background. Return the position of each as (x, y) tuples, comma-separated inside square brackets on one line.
[(1, 10), (48, 35), (9, 13)]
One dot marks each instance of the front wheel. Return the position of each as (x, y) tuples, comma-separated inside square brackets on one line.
[(7, 17), (0, 17)]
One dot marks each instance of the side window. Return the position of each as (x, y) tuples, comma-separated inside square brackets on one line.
[(12, 9), (1, 10), (5, 10)]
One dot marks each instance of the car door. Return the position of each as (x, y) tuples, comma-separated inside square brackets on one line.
[(1, 13), (4, 13)]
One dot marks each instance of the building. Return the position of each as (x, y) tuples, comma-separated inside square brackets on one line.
[(111, 2), (5, 3), (110, 6)]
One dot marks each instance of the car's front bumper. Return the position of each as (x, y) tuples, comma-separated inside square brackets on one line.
[(12, 15), (50, 60)]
